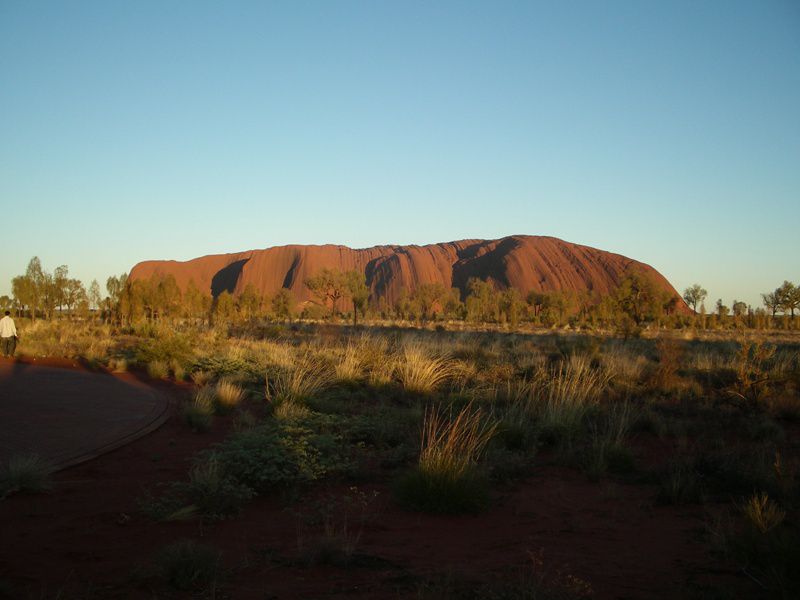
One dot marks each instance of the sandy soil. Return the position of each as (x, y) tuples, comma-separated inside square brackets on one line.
[(85, 539)]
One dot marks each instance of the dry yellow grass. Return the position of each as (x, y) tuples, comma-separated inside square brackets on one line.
[(349, 363), (419, 370), (308, 375), (451, 446), (228, 394), (764, 514)]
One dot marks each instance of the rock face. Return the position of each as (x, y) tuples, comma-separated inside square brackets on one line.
[(544, 264)]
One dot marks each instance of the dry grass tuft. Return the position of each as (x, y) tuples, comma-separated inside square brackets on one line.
[(419, 370), (228, 395), (349, 366), (762, 513), (308, 376), (568, 393), (452, 446)]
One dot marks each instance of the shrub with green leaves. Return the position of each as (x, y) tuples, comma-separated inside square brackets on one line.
[(164, 348), (282, 454)]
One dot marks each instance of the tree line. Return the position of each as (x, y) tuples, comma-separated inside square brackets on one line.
[(778, 310), (636, 302)]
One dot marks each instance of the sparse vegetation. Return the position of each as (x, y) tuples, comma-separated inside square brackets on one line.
[(187, 565), (447, 478), (25, 473), (454, 422)]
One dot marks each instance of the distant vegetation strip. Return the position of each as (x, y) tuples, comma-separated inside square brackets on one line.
[(638, 302)]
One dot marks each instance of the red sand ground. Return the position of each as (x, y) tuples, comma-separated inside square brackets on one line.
[(85, 539)]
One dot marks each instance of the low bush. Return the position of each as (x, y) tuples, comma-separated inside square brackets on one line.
[(278, 455)]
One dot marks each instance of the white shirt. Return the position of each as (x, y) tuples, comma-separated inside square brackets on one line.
[(7, 327)]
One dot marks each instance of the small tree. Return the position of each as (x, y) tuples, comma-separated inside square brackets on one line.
[(427, 297), (94, 297), (283, 304), (224, 308), (356, 284), (73, 294), (194, 303), (788, 296), (250, 302), (694, 295), (511, 305), (772, 302), (638, 298), (329, 285), (722, 310)]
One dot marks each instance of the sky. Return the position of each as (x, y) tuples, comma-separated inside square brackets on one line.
[(668, 132)]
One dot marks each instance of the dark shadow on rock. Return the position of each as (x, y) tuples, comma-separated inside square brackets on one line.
[(226, 278), (490, 265)]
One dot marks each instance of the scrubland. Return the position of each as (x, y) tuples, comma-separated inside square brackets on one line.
[(341, 426)]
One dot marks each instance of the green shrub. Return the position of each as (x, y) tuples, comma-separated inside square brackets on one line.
[(165, 347), (277, 455)]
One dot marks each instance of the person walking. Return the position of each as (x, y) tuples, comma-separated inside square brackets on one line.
[(8, 335)]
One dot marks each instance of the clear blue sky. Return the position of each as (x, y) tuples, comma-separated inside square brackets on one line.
[(665, 131)]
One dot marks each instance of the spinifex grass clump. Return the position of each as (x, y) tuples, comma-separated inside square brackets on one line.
[(420, 371), (762, 513), (227, 397), (349, 367), (157, 369), (567, 395), (305, 378), (200, 411), (25, 473), (447, 479)]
